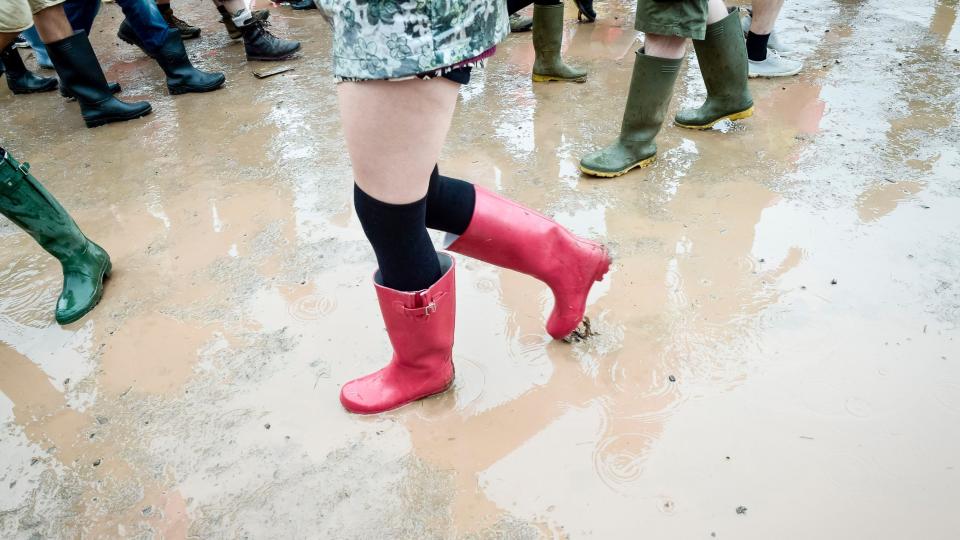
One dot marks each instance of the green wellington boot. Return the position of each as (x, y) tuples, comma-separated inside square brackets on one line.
[(33, 209), (722, 56), (547, 38), (649, 96)]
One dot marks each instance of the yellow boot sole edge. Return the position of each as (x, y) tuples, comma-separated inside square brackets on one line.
[(746, 113), (548, 78), (638, 165)]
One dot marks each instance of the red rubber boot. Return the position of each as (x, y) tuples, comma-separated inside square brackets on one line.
[(420, 325), (506, 234)]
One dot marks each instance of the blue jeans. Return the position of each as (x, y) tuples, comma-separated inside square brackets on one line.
[(143, 16), (146, 21)]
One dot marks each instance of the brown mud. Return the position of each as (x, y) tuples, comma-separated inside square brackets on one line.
[(775, 352)]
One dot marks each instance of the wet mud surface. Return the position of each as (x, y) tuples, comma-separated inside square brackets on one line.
[(774, 354)]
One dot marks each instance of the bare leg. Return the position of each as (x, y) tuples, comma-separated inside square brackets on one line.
[(765, 14), (52, 24), (395, 131), (7, 38), (717, 10), (671, 47)]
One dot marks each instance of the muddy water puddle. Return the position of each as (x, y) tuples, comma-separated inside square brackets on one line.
[(776, 338)]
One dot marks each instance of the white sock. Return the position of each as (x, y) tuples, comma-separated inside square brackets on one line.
[(242, 17)]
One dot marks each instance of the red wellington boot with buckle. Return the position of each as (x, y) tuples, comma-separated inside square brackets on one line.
[(506, 234), (420, 326)]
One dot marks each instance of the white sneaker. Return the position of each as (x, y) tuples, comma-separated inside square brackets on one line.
[(774, 66), (773, 42)]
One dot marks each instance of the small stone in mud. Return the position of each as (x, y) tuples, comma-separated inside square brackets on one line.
[(672, 378), (97, 462), (66, 381), (804, 287), (267, 426), (12, 484), (833, 281), (741, 510), (34, 460), (147, 511), (102, 420)]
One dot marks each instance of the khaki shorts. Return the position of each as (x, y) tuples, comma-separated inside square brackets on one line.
[(681, 18), (17, 15)]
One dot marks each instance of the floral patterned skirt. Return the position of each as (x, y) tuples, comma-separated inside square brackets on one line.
[(399, 39)]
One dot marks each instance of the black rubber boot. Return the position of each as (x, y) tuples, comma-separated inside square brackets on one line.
[(125, 33), (303, 4), (20, 79), (80, 72), (182, 77), (260, 44), (586, 12)]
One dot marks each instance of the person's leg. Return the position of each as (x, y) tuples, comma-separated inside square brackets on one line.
[(143, 25), (547, 42), (655, 72), (146, 28), (394, 132), (187, 30), (762, 61), (39, 49), (666, 26), (80, 71), (21, 80), (85, 264), (15, 17), (723, 65), (258, 42), (765, 14), (52, 24), (81, 13)]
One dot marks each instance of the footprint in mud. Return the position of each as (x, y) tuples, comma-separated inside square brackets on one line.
[(312, 307)]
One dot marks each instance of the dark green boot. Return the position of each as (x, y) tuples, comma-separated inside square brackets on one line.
[(722, 56), (649, 96), (33, 209), (547, 38)]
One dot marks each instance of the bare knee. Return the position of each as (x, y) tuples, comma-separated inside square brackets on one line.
[(664, 46)]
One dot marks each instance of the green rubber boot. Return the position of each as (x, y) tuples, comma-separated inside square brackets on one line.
[(33, 209), (650, 91), (722, 56), (547, 38)]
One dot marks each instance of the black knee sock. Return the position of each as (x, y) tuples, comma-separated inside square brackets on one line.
[(757, 46), (398, 234), (450, 203), (514, 6)]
